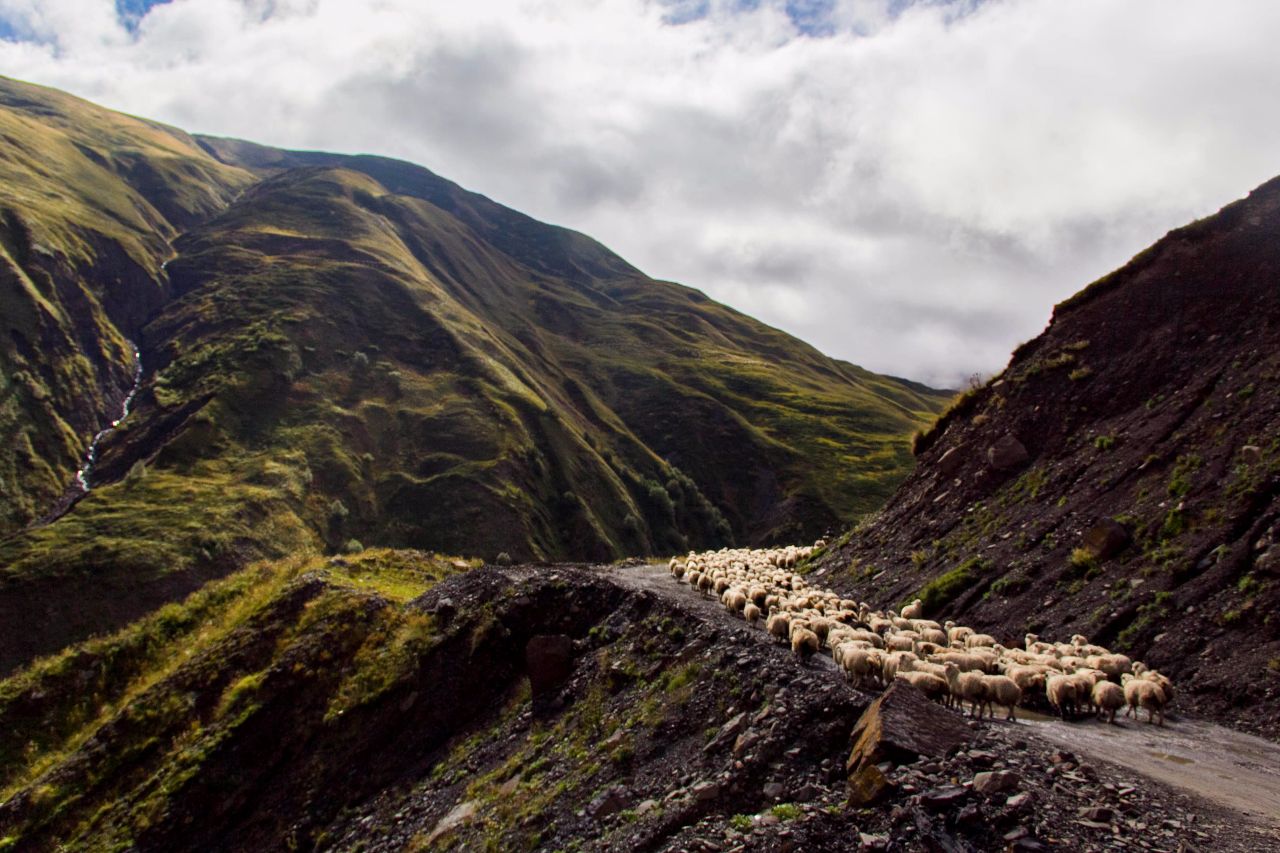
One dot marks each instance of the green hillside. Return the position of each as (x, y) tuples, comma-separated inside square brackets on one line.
[(342, 351)]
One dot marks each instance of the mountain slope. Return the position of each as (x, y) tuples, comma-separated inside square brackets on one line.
[(340, 350), (89, 202), (1121, 477)]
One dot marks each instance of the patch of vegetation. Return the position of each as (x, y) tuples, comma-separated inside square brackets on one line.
[(1148, 614), (1010, 585), (1104, 442), (942, 590), (1183, 469), (786, 811)]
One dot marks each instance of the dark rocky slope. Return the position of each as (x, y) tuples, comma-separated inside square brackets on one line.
[(392, 701), (1120, 478)]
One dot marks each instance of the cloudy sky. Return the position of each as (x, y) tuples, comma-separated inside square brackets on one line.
[(907, 184)]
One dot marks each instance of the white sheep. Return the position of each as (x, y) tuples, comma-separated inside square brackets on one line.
[(779, 626), (804, 643), (966, 687), (1108, 698), (1143, 693), (1002, 690), (1062, 693), (931, 685)]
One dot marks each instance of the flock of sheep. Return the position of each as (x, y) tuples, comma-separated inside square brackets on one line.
[(948, 662)]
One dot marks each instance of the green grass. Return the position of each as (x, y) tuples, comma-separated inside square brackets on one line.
[(942, 590), (168, 690)]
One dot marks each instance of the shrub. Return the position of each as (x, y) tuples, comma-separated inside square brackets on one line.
[(1083, 561)]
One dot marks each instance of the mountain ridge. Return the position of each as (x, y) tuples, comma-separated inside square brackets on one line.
[(343, 350)]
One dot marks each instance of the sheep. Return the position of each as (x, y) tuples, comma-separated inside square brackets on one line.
[(1162, 681), (899, 643), (927, 683), (1033, 645), (734, 600), (1108, 698), (779, 626), (1061, 691), (860, 664), (956, 634), (1002, 690), (1028, 678), (894, 663), (820, 626), (1144, 693), (933, 635), (804, 643), (964, 662), (880, 646), (871, 637), (1113, 665), (966, 687)]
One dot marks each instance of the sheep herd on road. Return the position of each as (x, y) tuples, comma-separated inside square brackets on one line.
[(950, 663)]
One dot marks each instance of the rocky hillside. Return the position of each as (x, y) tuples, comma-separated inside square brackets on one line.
[(344, 351), (403, 701), (1120, 478)]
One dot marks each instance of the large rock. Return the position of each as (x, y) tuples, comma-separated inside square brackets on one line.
[(1106, 539), (1007, 453), (950, 462), (549, 659), (899, 727), (995, 781)]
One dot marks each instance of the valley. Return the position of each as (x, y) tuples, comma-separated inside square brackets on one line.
[(333, 497)]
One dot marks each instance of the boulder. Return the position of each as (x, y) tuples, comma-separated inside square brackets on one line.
[(1007, 453), (1106, 539), (728, 732), (899, 727), (549, 660), (995, 781), (950, 462)]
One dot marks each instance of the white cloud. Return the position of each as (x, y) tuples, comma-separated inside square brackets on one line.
[(908, 189)]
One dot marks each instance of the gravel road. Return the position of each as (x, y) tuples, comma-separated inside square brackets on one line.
[(1227, 768)]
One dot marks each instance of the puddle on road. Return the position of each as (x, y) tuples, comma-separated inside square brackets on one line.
[(1176, 759)]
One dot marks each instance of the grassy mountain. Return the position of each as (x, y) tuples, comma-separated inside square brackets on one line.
[(1121, 477), (341, 350)]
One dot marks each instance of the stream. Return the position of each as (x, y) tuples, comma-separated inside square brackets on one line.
[(91, 456), (81, 484)]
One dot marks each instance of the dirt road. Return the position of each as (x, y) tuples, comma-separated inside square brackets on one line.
[(1229, 769)]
